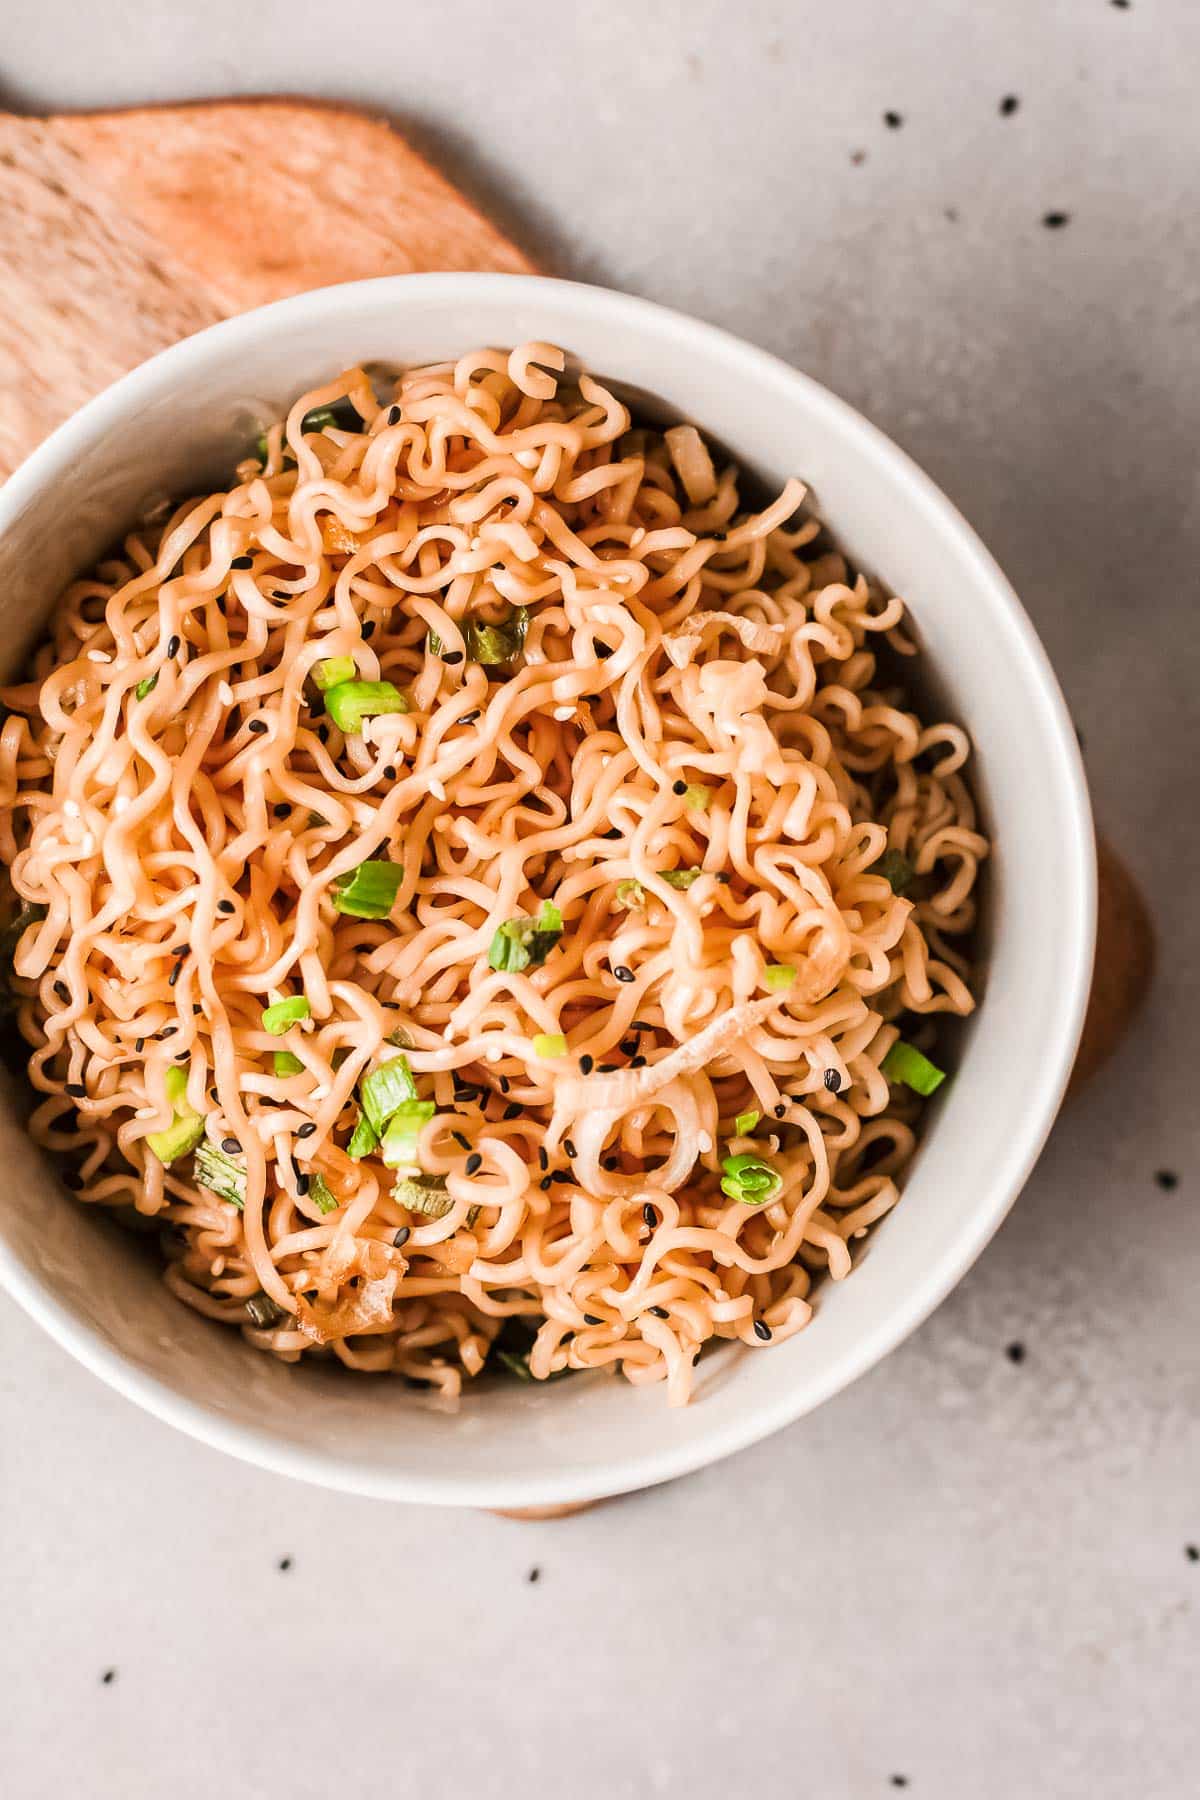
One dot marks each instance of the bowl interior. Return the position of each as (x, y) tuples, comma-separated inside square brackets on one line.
[(178, 423)]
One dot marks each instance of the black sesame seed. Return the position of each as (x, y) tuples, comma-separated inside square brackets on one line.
[(167, 1031), (231, 1147), (181, 1055), (544, 1183), (623, 973), (609, 1163), (139, 1046), (242, 562), (543, 1157), (640, 1025), (470, 718), (257, 725), (368, 630), (181, 949), (513, 1110), (628, 1046), (833, 1080), (176, 972), (303, 1183), (306, 1130), (763, 1330), (282, 810), (780, 1110), (389, 774), (458, 1137), (452, 657), (1167, 1179), (570, 1149), (893, 120), (607, 1069), (393, 415), (1054, 221), (586, 1064), (561, 1175), (226, 906), (679, 787), (62, 990), (503, 1083), (650, 1215), (724, 877), (76, 1090), (591, 1319), (402, 1236), (637, 1062), (1008, 106), (1015, 1353), (173, 648), (658, 1312), (473, 1163)]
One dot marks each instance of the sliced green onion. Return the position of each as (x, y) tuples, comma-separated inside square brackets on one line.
[(280, 1017), (549, 1044), (896, 870), (511, 1348), (630, 894), (146, 687), (698, 798), (777, 976), (220, 1174), (399, 1143), (368, 892), (333, 672), (680, 878), (433, 644), (749, 1179), (495, 644), (187, 1128), (286, 1064), (322, 1195), (426, 1194), (526, 943), (363, 1140), (385, 1090), (904, 1062), (342, 414), (264, 1312), (400, 1039), (350, 702), (745, 1122)]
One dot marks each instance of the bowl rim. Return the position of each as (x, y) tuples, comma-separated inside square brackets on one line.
[(586, 302)]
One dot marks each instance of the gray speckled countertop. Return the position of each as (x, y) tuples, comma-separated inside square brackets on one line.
[(969, 1576)]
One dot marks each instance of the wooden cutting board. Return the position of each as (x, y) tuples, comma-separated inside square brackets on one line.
[(121, 232)]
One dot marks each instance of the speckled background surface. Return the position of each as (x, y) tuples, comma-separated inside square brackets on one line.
[(975, 1575)]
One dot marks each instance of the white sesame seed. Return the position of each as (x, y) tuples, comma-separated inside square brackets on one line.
[(70, 809), (637, 537), (99, 656), (564, 712), (225, 693), (704, 1142), (437, 790)]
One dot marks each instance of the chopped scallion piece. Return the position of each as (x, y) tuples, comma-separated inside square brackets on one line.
[(385, 1090), (549, 1044), (904, 1062), (745, 1122), (495, 644), (680, 878), (698, 798), (399, 1143), (322, 1195), (264, 1312), (426, 1194), (350, 702), (363, 1140), (146, 687), (220, 1174), (280, 1017), (187, 1128), (526, 943), (286, 1064), (175, 1082), (433, 644), (896, 870), (342, 414), (368, 892), (777, 976), (333, 672), (630, 894), (749, 1179)]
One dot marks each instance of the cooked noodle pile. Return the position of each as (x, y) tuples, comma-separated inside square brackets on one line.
[(651, 849)]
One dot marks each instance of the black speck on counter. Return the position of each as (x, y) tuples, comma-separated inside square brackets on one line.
[(1121, 5), (899, 1780), (1015, 1353), (108, 1677), (893, 120), (534, 1575), (1167, 1179), (1192, 1552), (1008, 106), (951, 215), (1054, 221), (284, 1564), (858, 158)]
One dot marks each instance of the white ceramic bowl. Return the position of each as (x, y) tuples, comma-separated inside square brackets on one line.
[(170, 425)]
